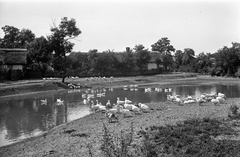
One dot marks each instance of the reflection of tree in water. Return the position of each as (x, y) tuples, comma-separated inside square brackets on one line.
[(194, 91), (25, 116), (48, 122), (15, 119), (61, 114)]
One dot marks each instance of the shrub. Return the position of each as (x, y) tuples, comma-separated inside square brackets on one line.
[(116, 145), (237, 74), (233, 111)]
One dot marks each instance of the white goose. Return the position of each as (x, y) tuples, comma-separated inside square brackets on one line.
[(177, 99), (135, 109), (60, 101), (128, 106), (102, 108), (220, 99), (132, 107), (125, 112), (95, 108), (143, 107), (119, 102), (170, 97), (43, 102), (215, 101), (189, 97), (189, 101), (85, 102), (221, 95), (108, 104), (126, 101)]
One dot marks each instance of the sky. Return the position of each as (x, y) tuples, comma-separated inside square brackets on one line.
[(203, 25)]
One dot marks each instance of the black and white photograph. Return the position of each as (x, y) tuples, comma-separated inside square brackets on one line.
[(120, 78)]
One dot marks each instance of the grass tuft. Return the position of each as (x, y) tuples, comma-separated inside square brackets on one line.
[(233, 111), (116, 145)]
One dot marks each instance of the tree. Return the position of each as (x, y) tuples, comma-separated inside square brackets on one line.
[(164, 48), (102, 64), (92, 58), (25, 37), (228, 59), (167, 62), (178, 58), (142, 56), (10, 39), (128, 61), (188, 56), (60, 42), (39, 54), (14, 38), (203, 63)]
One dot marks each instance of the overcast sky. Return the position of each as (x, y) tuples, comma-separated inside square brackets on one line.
[(203, 25)]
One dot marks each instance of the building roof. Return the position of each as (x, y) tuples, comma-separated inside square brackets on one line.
[(14, 56)]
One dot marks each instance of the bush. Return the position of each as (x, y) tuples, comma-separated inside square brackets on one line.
[(237, 74), (233, 111), (116, 145)]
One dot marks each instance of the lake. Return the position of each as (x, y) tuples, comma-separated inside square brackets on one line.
[(30, 115)]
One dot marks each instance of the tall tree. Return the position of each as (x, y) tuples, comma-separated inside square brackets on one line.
[(14, 38), (128, 61), (102, 64), (142, 56), (178, 58), (164, 48), (228, 59), (188, 56), (25, 37), (60, 42), (203, 63), (39, 54), (10, 39)]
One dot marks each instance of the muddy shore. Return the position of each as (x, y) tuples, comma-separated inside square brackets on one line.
[(71, 139)]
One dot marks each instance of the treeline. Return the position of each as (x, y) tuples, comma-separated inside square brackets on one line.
[(110, 63), (53, 56), (224, 62)]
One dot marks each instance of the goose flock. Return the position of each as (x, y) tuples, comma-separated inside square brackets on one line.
[(214, 98), (125, 107)]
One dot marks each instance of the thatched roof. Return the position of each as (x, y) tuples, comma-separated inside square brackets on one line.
[(14, 56)]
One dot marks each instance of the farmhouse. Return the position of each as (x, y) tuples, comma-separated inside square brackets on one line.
[(13, 61)]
